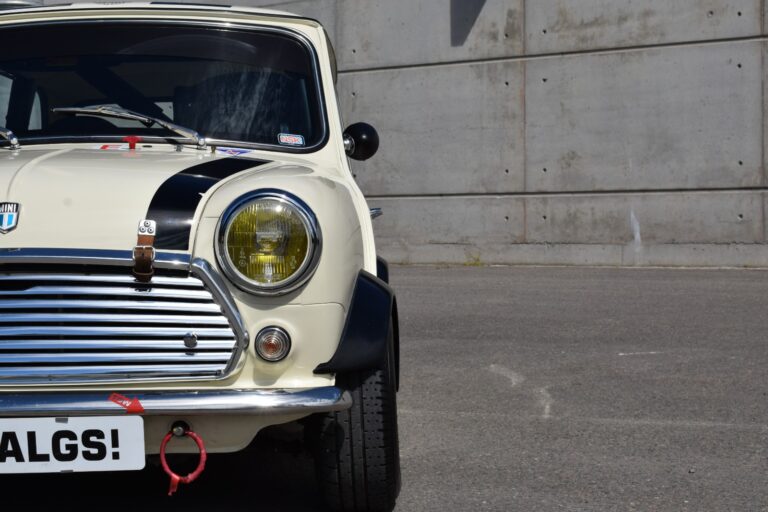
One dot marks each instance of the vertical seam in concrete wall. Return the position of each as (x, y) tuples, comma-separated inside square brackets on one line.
[(762, 198), (337, 34), (762, 126), (762, 79), (524, 107)]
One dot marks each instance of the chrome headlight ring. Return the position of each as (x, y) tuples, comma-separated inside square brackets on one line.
[(307, 267)]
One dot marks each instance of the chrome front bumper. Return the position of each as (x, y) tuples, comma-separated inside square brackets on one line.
[(231, 402)]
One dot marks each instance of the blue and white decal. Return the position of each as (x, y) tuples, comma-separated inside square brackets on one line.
[(233, 151), (9, 217)]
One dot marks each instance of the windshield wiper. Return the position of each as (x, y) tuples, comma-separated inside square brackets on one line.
[(10, 137), (121, 113)]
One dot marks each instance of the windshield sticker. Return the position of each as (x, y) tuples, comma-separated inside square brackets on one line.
[(233, 151), (287, 139)]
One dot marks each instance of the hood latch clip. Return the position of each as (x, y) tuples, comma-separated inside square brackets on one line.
[(144, 252)]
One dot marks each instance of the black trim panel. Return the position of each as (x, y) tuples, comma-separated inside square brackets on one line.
[(363, 344), (174, 205), (382, 269)]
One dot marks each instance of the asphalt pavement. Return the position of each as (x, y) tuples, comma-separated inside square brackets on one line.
[(529, 389)]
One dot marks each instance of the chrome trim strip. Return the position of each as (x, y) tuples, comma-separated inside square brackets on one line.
[(165, 260), (118, 344), (153, 332), (308, 266), (141, 358), (184, 307), (102, 291), (109, 318), (96, 374), (246, 402), (186, 282), (218, 288)]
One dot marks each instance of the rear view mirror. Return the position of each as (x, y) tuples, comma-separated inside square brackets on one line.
[(361, 141)]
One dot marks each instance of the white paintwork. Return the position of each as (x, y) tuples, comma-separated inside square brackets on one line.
[(81, 196)]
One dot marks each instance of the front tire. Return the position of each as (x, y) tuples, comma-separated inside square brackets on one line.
[(358, 454)]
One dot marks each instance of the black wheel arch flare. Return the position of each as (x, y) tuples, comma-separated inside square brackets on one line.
[(363, 345)]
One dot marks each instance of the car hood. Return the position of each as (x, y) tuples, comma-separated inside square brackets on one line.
[(94, 198)]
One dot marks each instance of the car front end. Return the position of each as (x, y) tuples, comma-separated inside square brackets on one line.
[(183, 247)]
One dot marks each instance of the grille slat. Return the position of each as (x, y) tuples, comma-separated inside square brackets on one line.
[(184, 282), (111, 345), (121, 358), (110, 305), (87, 373), (83, 318), (134, 291), (108, 331), (100, 324)]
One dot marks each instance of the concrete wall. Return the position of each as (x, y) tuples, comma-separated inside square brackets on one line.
[(611, 132)]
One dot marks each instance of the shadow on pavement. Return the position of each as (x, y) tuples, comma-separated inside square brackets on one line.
[(266, 477)]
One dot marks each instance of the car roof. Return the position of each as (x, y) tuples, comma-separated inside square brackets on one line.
[(21, 6)]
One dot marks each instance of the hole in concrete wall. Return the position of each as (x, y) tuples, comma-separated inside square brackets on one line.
[(711, 13), (738, 65), (506, 171), (739, 13), (741, 162), (354, 176), (506, 83), (544, 31), (506, 219), (544, 217), (354, 51), (741, 217), (544, 170), (544, 80), (354, 94)]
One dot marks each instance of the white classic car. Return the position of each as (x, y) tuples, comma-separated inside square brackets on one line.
[(185, 257)]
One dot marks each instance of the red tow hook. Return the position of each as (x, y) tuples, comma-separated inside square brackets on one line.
[(181, 429)]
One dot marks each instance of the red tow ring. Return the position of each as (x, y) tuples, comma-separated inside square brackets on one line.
[(180, 430)]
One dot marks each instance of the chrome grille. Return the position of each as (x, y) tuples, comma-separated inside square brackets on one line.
[(83, 324)]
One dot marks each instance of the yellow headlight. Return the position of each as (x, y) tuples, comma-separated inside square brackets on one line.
[(269, 241)]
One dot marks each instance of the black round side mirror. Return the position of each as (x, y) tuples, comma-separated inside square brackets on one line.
[(361, 141)]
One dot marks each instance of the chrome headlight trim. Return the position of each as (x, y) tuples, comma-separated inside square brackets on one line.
[(306, 269)]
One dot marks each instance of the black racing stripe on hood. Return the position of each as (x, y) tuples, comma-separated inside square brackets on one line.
[(174, 205)]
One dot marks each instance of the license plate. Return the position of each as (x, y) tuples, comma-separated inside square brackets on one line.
[(56, 445)]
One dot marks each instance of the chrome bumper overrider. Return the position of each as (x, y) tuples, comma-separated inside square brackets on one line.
[(241, 402)]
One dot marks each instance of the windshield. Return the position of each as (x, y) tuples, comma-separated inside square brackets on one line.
[(233, 85)]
